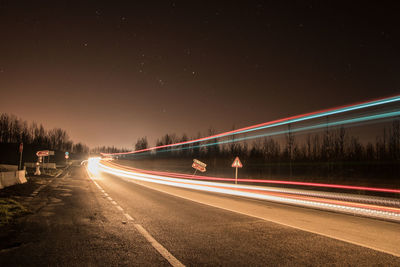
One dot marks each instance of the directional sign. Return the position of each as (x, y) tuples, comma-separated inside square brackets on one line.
[(42, 153), (236, 163), (198, 162), (198, 165)]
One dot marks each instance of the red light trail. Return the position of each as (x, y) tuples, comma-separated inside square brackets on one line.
[(278, 122), (260, 181)]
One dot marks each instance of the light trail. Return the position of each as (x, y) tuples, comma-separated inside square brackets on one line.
[(352, 121), (275, 123), (293, 198), (260, 181)]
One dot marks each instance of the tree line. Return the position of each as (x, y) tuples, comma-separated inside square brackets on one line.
[(16, 130), (108, 149), (330, 145), (332, 155)]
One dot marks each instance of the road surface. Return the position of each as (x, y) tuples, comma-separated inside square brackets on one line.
[(109, 221)]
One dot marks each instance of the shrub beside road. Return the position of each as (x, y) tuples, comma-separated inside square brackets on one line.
[(10, 209)]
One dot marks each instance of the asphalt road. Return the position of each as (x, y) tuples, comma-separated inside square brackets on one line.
[(112, 221)]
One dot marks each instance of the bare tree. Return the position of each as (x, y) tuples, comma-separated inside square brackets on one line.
[(270, 149), (339, 143), (141, 143), (212, 149), (309, 147), (394, 140), (184, 148), (290, 147)]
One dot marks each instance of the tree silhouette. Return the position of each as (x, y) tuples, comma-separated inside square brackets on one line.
[(141, 143)]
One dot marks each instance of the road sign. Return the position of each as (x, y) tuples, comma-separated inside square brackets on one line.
[(21, 148), (198, 165), (236, 163), (42, 153), (198, 162)]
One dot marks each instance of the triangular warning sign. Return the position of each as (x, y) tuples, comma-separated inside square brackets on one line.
[(236, 163)]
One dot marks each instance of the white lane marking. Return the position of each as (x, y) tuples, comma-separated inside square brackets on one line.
[(163, 251), (112, 201), (251, 214), (58, 175), (128, 216), (119, 207), (34, 193), (98, 186)]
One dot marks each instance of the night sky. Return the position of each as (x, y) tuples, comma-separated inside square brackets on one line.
[(111, 72)]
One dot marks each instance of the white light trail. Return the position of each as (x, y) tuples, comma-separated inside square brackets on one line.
[(320, 200)]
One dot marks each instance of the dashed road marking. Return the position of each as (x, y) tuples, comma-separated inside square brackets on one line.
[(128, 216), (98, 186), (160, 249), (119, 208), (163, 251), (34, 193)]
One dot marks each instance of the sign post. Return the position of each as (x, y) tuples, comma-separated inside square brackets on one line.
[(21, 148), (236, 164), (198, 166), (40, 154), (66, 157)]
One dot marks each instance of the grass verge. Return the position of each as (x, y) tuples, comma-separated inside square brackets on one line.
[(10, 209)]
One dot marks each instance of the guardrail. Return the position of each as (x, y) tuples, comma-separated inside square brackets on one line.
[(8, 167)]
